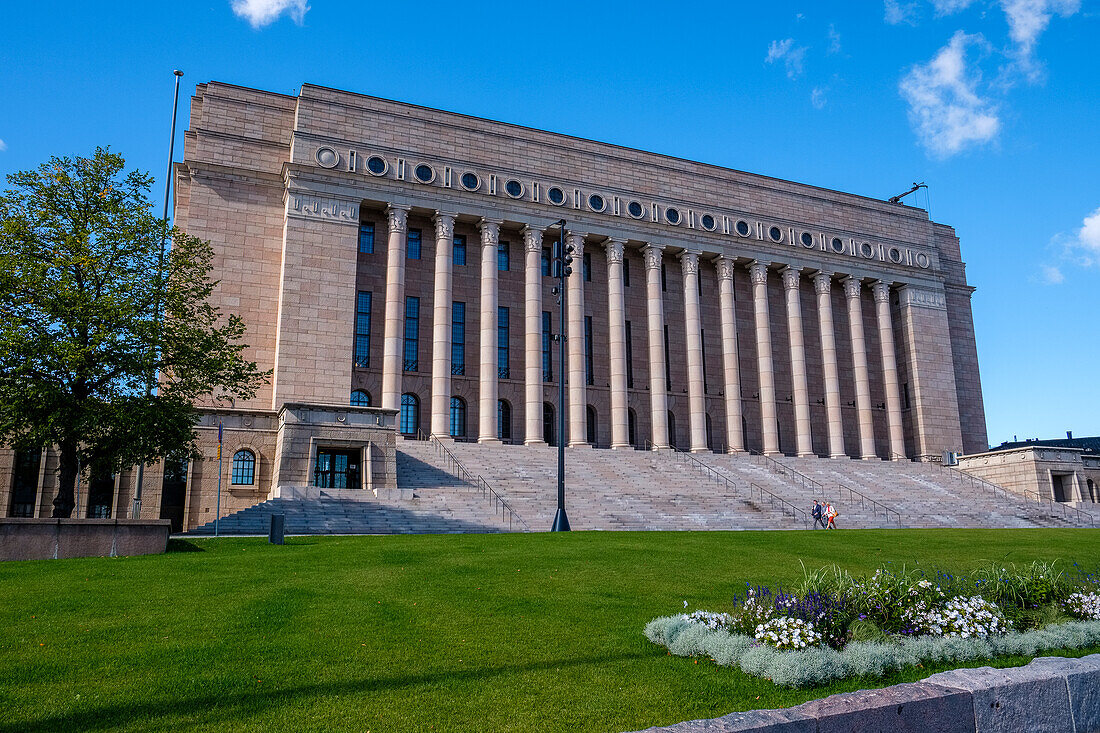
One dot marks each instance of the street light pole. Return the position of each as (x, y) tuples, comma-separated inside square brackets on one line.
[(562, 270), (136, 512)]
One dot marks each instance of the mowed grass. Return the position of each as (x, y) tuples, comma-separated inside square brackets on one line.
[(507, 632)]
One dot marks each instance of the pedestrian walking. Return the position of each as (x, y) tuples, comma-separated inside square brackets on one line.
[(830, 514), (817, 513)]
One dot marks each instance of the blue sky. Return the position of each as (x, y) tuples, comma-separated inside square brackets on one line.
[(993, 103)]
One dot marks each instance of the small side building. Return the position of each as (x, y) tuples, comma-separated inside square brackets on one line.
[(1064, 470)]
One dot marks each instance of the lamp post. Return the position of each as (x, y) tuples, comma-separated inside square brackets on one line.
[(562, 270), (136, 513)]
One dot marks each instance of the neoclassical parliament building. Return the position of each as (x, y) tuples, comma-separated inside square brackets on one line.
[(393, 264)]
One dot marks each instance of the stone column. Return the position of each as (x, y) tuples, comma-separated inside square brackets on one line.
[(532, 358), (889, 369), (859, 364), (441, 324), (578, 403), (735, 435), (697, 404), (487, 372), (823, 282), (616, 318), (655, 312), (393, 335), (801, 392), (759, 273)]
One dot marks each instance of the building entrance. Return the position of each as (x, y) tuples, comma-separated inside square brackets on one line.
[(336, 469)]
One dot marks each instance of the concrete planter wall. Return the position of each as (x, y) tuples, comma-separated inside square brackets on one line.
[(51, 539)]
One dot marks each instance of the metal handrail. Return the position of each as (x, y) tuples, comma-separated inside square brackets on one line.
[(723, 480), (782, 468), (877, 505), (1081, 516), (456, 467)]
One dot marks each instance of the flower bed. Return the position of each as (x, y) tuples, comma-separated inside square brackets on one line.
[(834, 626)]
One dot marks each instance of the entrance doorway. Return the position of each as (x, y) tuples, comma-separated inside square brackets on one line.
[(173, 492), (336, 469)]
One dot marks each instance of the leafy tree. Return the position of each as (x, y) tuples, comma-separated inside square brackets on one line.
[(88, 315)]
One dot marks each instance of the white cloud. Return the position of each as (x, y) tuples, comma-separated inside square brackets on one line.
[(950, 7), (3, 146), (897, 12), (834, 40), (1027, 19), (944, 106), (1051, 275), (259, 13), (791, 55), (818, 98)]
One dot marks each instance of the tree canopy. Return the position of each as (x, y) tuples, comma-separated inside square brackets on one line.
[(88, 316)]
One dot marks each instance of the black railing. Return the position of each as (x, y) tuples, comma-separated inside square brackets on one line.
[(455, 466), (1079, 515), (804, 481), (877, 506)]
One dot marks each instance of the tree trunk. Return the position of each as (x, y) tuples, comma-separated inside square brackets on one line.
[(64, 503)]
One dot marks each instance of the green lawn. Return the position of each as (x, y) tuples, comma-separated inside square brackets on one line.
[(469, 632)]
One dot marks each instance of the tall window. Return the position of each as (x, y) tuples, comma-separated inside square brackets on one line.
[(502, 342), (586, 261), (546, 262), (547, 348), (410, 414), (504, 420), (362, 330), (629, 358), (459, 250), (366, 238), (412, 333), (244, 468), (458, 417), (703, 343), (24, 484), (588, 376), (412, 242), (591, 424), (360, 398), (664, 278), (632, 426), (458, 338), (504, 256), (626, 272), (671, 429), (668, 364)]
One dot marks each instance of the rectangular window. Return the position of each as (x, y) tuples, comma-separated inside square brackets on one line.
[(412, 242), (626, 272), (629, 358), (587, 262), (703, 344), (668, 364), (412, 334), (366, 238), (664, 278), (459, 250), (547, 348), (504, 256), (546, 262), (502, 342), (905, 395), (588, 376), (458, 338), (362, 330)]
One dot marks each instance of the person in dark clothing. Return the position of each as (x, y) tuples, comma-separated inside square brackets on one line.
[(818, 513)]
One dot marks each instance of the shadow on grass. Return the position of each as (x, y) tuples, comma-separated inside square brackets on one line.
[(183, 546), (221, 708)]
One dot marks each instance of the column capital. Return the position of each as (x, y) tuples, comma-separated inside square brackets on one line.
[(823, 281), (532, 239), (725, 266), (689, 261), (577, 240), (791, 277), (444, 224), (614, 249), (881, 290), (490, 232), (651, 255), (397, 215), (851, 286), (759, 272)]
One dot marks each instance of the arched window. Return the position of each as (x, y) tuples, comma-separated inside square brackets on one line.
[(632, 426), (410, 414), (590, 413), (458, 417), (671, 429), (504, 420), (360, 398), (244, 467), (548, 423)]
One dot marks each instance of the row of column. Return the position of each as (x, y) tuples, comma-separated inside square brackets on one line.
[(575, 367)]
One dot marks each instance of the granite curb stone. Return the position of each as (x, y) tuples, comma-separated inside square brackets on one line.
[(1013, 700)]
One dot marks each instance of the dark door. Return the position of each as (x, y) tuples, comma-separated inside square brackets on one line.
[(336, 469), (101, 494), (548, 423), (24, 483), (173, 492)]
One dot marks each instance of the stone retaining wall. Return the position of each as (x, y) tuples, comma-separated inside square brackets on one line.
[(51, 539), (1050, 694)]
